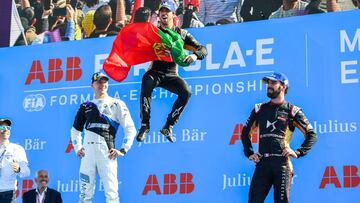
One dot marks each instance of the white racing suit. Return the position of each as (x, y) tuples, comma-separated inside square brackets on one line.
[(101, 119)]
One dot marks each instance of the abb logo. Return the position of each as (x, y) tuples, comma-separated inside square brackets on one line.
[(170, 185), (27, 185), (237, 134), (350, 177), (55, 72)]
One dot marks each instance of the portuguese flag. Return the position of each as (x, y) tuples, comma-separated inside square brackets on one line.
[(142, 42)]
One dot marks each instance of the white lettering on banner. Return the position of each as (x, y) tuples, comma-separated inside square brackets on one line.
[(192, 135), (348, 68), (73, 186), (226, 88), (334, 126), (34, 144), (133, 95), (99, 59), (209, 63), (205, 89), (34, 102), (345, 40), (239, 58), (347, 71), (234, 57), (155, 137), (187, 135), (72, 99), (240, 180), (260, 51)]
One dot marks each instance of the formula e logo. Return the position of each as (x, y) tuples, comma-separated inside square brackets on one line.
[(34, 102)]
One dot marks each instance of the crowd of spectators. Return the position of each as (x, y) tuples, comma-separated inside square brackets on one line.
[(47, 21)]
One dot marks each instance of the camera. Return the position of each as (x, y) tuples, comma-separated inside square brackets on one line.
[(59, 11)]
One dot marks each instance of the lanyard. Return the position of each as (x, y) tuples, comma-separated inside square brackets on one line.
[(38, 198), (2, 155)]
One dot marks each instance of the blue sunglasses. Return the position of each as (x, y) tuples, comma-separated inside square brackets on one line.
[(5, 127)]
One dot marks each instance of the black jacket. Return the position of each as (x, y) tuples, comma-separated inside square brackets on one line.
[(275, 124), (51, 196)]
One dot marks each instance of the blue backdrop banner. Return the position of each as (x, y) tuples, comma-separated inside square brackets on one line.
[(43, 86)]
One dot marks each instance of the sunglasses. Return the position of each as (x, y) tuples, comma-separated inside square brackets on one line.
[(5, 127)]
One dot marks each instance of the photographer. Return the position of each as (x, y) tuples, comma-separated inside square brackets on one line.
[(187, 14)]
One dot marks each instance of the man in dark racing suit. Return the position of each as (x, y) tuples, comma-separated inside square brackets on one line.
[(165, 74), (276, 121)]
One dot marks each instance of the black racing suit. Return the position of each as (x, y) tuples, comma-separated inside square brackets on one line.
[(275, 123), (165, 74)]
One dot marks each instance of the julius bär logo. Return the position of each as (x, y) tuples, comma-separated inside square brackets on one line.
[(350, 177), (55, 72), (34, 102), (186, 185), (237, 134)]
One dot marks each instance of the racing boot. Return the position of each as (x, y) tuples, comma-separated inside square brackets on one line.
[(144, 129), (167, 131)]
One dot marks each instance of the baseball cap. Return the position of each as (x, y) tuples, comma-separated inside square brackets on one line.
[(276, 76), (97, 76), (169, 4), (5, 120)]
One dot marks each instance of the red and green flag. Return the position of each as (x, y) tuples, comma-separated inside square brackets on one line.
[(142, 42)]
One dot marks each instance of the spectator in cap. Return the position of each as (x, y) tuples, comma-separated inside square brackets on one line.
[(169, 4), (13, 163)]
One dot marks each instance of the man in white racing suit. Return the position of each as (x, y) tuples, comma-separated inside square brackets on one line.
[(101, 118)]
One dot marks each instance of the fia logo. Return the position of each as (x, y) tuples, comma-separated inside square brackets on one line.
[(34, 102)]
